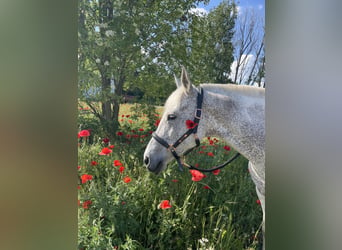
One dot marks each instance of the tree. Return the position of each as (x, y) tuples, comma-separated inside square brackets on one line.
[(249, 48), (120, 42)]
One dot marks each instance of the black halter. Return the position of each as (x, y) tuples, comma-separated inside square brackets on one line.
[(172, 147)]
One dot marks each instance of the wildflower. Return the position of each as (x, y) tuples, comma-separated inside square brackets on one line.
[(97, 60), (117, 163), (130, 121), (93, 163), (127, 116), (119, 133), (201, 152), (86, 204), (84, 133), (127, 179), (196, 175), (258, 202), (206, 187), (78, 167), (216, 172), (165, 204), (227, 148), (157, 123), (141, 129), (78, 187), (121, 169), (190, 124), (111, 146), (86, 177), (105, 140), (106, 63), (174, 180), (211, 142), (78, 202), (105, 151), (210, 154), (123, 203)]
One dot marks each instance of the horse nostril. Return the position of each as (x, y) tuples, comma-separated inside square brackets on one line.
[(147, 161)]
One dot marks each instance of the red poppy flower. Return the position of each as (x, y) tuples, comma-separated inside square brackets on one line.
[(157, 123), (216, 172), (196, 175), (86, 177), (86, 204), (141, 129), (111, 146), (210, 154), (165, 204), (78, 187), (127, 116), (130, 121), (258, 202), (78, 167), (105, 140), (211, 142), (117, 163), (190, 124), (78, 202), (84, 133), (227, 148), (206, 187), (105, 151), (121, 169), (174, 180), (93, 163), (127, 179), (119, 133)]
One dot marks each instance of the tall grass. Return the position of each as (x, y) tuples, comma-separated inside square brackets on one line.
[(218, 212)]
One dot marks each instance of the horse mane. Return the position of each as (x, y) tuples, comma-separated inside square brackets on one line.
[(229, 89)]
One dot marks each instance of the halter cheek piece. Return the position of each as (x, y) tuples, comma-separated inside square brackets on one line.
[(172, 147)]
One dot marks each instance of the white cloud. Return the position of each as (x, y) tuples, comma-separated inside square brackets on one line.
[(198, 11), (244, 69), (260, 7)]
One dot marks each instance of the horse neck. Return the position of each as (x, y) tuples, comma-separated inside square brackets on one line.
[(237, 116)]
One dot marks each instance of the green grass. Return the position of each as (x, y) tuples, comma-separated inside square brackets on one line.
[(127, 215)]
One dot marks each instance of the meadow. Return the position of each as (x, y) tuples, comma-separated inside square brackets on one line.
[(121, 205)]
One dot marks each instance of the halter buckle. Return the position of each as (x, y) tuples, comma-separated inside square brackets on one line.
[(198, 113)]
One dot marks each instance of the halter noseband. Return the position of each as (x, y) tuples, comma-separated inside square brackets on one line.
[(172, 147)]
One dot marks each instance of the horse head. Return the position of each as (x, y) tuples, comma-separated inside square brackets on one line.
[(177, 119)]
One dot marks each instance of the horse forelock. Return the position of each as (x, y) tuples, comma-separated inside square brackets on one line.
[(179, 100)]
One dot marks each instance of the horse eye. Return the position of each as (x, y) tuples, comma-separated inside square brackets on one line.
[(171, 117)]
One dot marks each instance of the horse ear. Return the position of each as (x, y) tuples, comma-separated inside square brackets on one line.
[(177, 81), (185, 82)]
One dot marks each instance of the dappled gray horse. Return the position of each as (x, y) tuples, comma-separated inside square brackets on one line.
[(234, 113)]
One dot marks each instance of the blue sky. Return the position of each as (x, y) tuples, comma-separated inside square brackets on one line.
[(257, 4)]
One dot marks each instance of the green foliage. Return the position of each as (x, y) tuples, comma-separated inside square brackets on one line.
[(139, 45), (127, 215)]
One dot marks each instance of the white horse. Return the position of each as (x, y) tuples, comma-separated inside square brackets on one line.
[(234, 113)]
